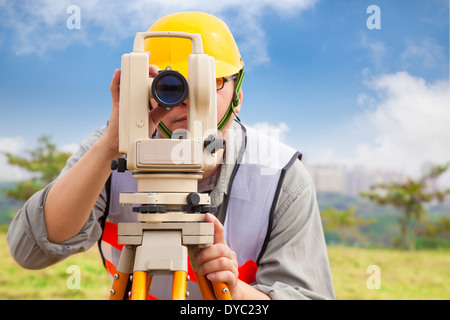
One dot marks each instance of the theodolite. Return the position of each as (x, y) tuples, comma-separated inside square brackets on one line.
[(171, 213)]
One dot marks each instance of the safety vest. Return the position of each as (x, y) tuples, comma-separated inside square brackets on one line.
[(250, 207)]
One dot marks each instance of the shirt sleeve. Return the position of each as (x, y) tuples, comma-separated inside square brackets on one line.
[(295, 262), (27, 234)]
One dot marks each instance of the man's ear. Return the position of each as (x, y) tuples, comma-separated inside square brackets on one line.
[(238, 107)]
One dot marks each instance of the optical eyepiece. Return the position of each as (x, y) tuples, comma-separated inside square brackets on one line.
[(169, 88)]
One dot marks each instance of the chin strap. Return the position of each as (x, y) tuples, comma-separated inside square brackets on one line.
[(231, 108), (234, 102), (165, 130)]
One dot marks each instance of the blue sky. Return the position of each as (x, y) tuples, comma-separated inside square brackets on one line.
[(333, 88)]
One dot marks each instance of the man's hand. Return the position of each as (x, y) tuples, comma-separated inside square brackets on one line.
[(111, 136), (218, 261)]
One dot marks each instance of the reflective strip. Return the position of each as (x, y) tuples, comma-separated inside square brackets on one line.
[(110, 267), (110, 248), (247, 272), (107, 251), (110, 235), (191, 272)]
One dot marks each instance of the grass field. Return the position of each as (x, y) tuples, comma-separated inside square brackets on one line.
[(403, 275), (51, 283), (420, 275)]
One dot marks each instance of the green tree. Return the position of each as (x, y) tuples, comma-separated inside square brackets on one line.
[(344, 223), (409, 197), (435, 234), (46, 161)]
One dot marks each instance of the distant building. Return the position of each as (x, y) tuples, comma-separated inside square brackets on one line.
[(349, 180), (328, 178)]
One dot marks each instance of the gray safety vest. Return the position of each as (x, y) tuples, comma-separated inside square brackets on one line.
[(250, 207)]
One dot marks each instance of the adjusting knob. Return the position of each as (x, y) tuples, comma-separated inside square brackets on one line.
[(120, 165), (193, 199)]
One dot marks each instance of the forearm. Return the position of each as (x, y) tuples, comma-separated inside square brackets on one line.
[(245, 291), (28, 239), (71, 199)]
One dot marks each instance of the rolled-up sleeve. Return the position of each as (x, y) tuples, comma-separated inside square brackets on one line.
[(27, 234), (295, 262)]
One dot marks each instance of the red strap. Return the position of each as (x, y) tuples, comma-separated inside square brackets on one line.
[(247, 271), (110, 267), (110, 235)]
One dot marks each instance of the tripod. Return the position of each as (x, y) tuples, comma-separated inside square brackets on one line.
[(167, 171), (159, 243)]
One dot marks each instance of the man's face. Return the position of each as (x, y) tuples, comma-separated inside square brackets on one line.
[(177, 117)]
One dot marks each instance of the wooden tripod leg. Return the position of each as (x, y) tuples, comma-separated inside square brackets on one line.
[(139, 289), (212, 290), (121, 283), (119, 286), (149, 283), (179, 285), (205, 287), (221, 291)]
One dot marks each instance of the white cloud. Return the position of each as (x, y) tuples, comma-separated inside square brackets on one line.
[(406, 126), (410, 123), (72, 147), (40, 25), (14, 145), (18, 147), (10, 173), (365, 100), (424, 51), (376, 51), (277, 132)]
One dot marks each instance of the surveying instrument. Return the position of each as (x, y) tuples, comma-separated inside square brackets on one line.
[(170, 212)]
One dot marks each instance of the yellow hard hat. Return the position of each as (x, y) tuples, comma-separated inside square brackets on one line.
[(217, 40)]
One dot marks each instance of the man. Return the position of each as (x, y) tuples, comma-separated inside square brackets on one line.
[(268, 239)]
